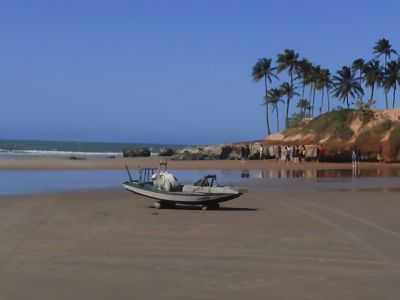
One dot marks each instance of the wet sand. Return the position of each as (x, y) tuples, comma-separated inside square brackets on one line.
[(285, 240), (153, 162)]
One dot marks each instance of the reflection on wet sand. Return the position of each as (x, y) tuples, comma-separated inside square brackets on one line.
[(319, 174), (345, 180), (374, 189)]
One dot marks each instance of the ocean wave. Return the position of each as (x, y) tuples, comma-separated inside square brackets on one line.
[(58, 153)]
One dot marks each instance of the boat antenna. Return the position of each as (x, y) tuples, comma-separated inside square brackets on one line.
[(129, 173)]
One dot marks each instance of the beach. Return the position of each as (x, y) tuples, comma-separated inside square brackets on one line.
[(284, 239)]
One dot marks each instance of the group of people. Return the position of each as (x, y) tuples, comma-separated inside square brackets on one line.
[(300, 153), (291, 153)]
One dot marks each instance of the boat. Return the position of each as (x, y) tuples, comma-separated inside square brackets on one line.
[(167, 193)]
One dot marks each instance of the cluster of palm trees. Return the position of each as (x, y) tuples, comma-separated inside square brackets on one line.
[(306, 82)]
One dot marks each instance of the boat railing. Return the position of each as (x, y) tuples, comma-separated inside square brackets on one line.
[(145, 174)]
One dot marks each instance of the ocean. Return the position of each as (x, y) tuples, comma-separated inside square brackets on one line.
[(28, 148)]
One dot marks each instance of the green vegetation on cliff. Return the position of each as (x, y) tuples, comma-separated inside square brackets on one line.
[(335, 124), (331, 125)]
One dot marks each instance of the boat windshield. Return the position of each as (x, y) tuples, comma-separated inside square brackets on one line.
[(209, 180)]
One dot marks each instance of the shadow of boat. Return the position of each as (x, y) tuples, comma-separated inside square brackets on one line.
[(221, 208)]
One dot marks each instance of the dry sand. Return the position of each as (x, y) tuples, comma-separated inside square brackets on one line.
[(119, 163), (275, 242)]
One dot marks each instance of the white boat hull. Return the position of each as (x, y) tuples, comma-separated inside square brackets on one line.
[(180, 197)]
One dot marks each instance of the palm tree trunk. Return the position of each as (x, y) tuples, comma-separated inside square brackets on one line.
[(277, 118), (313, 101), (322, 101), (329, 100), (266, 106), (372, 91), (288, 100), (287, 112), (291, 78), (361, 100), (385, 90), (267, 118), (394, 95), (386, 100), (309, 100), (347, 101)]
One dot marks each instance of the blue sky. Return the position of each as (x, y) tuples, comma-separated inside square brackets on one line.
[(164, 71)]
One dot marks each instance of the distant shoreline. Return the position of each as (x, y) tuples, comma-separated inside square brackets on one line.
[(36, 148)]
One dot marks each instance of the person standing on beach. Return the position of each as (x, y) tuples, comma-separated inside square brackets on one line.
[(354, 158), (358, 156), (379, 155), (279, 155), (247, 152), (296, 154), (321, 153), (284, 154), (303, 153), (288, 153)]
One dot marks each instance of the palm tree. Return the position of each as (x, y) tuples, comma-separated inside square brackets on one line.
[(288, 60), (322, 83), (303, 72), (346, 85), (373, 75), (274, 97), (328, 86), (359, 66), (392, 78), (263, 70), (305, 106), (289, 91), (383, 47), (315, 84), (310, 81)]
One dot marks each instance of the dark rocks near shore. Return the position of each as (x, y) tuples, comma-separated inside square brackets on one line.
[(248, 151), (73, 157), (214, 152), (232, 152), (167, 152), (189, 155), (251, 151), (137, 152), (200, 153)]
